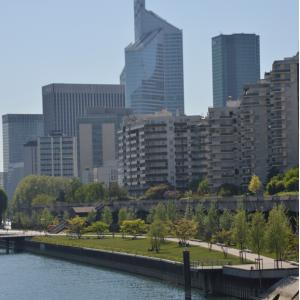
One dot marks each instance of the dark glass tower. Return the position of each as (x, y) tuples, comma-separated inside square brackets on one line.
[(235, 62)]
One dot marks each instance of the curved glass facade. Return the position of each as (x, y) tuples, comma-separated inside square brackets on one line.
[(153, 73)]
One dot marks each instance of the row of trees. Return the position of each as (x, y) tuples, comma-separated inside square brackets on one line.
[(238, 229), (35, 191)]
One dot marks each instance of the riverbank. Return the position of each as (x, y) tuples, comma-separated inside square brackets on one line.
[(169, 249), (229, 281)]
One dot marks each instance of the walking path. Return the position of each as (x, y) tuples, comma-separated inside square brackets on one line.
[(268, 263)]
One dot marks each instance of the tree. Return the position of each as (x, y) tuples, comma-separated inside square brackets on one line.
[(32, 186), (100, 228), (117, 192), (157, 233), (91, 192), (292, 184), (46, 218), (226, 220), (185, 229), (200, 220), (171, 211), (189, 214), (275, 186), (122, 215), (157, 192), (228, 189), (254, 185), (3, 204), (76, 226), (43, 199), (211, 224), (240, 229), (203, 187), (133, 227), (277, 232), (91, 217), (107, 216), (256, 232)]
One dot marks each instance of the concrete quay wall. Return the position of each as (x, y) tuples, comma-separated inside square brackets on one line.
[(209, 280)]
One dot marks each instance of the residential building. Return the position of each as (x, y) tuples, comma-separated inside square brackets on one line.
[(162, 148), (283, 118), (235, 62), (98, 138), (153, 73), (253, 128), (18, 129), (63, 104), (57, 155), (224, 146)]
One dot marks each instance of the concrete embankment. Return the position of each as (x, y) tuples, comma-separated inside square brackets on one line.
[(211, 280)]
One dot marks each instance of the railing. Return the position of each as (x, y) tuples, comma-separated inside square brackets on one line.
[(196, 264)]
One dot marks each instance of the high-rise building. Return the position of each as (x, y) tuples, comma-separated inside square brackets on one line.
[(18, 129), (98, 138), (162, 148), (57, 155), (253, 128), (224, 146), (153, 73), (283, 118), (64, 103), (235, 62)]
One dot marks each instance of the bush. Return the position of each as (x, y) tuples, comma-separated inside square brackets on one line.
[(228, 189), (275, 186), (292, 184), (157, 192)]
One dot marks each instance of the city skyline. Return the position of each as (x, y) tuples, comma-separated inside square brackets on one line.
[(26, 67)]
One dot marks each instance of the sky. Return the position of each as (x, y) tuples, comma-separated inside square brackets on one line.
[(76, 41)]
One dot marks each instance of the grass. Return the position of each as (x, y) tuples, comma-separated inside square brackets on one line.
[(169, 250)]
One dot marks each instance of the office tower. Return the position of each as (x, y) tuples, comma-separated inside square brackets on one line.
[(235, 62), (18, 129), (57, 155), (2, 180), (30, 158), (224, 146), (162, 148), (98, 139), (64, 103), (153, 73)]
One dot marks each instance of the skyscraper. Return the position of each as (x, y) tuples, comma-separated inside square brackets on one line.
[(153, 73), (235, 62), (64, 103), (18, 129)]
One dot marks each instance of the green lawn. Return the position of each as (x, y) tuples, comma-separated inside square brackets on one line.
[(169, 250)]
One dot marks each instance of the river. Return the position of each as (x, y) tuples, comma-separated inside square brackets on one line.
[(31, 277)]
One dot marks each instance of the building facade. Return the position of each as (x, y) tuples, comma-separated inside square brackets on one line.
[(98, 138), (18, 129), (235, 62), (64, 103), (224, 146), (57, 155), (162, 148), (153, 73), (283, 119)]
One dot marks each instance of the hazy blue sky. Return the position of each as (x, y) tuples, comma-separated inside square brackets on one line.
[(82, 41)]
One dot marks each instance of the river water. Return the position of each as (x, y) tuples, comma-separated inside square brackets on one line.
[(31, 277)]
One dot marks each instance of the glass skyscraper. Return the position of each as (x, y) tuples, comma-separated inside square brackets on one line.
[(235, 62), (153, 73)]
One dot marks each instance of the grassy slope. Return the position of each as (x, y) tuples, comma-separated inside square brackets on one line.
[(169, 250)]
